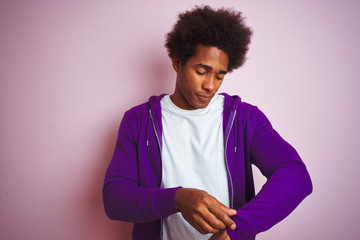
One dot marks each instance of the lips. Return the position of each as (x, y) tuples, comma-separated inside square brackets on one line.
[(204, 98)]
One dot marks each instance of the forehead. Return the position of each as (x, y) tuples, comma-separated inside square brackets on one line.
[(210, 56)]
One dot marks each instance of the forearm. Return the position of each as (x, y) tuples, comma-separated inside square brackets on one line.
[(288, 182), (127, 202), (281, 194)]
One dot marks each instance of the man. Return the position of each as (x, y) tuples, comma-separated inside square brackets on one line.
[(181, 168)]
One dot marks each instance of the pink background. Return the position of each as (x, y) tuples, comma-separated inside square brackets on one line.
[(69, 70)]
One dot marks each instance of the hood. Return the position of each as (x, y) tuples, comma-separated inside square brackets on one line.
[(231, 102), (154, 101)]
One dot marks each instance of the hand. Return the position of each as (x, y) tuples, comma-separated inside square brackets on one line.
[(204, 212), (221, 235)]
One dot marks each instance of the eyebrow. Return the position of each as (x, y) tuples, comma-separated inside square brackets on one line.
[(207, 67)]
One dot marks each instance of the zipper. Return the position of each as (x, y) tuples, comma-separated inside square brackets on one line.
[(158, 141), (226, 162), (155, 130)]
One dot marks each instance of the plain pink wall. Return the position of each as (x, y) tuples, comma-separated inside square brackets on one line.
[(69, 70)]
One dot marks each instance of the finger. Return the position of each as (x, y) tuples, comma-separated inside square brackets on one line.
[(215, 209), (211, 219), (198, 228), (228, 211), (223, 213), (202, 226), (209, 228), (223, 217)]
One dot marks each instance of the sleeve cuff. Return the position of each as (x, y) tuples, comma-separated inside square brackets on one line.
[(164, 203), (243, 230)]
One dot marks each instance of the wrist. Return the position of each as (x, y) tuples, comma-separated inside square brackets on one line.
[(177, 198)]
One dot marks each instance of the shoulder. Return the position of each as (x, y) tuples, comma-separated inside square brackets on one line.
[(243, 109), (143, 108), (138, 109), (248, 115), (137, 114)]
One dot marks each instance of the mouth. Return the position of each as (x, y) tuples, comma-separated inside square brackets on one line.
[(204, 98)]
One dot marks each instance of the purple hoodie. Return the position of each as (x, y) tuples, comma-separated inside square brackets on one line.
[(132, 190)]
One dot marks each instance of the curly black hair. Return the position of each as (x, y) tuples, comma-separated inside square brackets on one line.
[(222, 28)]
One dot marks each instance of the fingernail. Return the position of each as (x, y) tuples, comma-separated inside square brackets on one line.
[(233, 226)]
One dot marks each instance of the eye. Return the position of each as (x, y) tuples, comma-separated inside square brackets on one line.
[(219, 78), (200, 73)]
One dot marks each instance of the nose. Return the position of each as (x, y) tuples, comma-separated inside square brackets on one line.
[(209, 83)]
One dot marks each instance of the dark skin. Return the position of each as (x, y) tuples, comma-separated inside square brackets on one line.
[(204, 212), (221, 235), (196, 83), (200, 78)]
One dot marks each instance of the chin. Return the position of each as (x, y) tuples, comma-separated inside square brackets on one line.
[(200, 105), (197, 104)]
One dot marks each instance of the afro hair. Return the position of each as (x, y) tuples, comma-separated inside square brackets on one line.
[(222, 28)]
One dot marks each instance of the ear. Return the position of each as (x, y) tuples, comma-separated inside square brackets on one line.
[(176, 62)]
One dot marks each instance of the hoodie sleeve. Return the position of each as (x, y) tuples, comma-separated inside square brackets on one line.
[(288, 182), (123, 199)]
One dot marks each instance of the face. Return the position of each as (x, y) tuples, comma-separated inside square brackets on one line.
[(200, 78)]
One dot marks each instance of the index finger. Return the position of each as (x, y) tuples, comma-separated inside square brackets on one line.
[(219, 212), (228, 211)]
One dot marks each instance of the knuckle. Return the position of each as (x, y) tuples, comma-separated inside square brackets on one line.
[(220, 225), (203, 195), (228, 222), (198, 209), (220, 215)]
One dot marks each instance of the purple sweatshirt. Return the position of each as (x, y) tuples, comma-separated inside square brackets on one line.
[(132, 190)]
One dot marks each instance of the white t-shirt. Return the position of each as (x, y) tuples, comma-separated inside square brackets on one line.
[(192, 157)]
